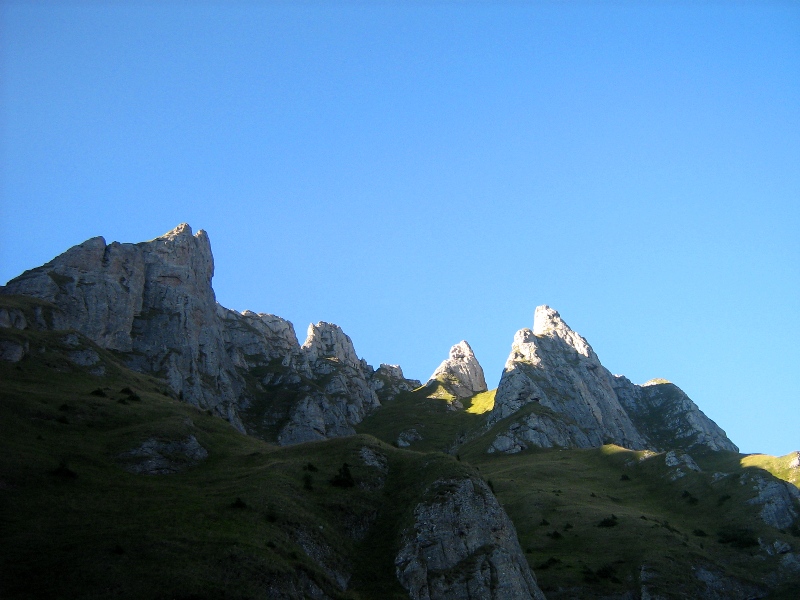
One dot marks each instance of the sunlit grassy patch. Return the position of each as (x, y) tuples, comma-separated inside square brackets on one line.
[(482, 403)]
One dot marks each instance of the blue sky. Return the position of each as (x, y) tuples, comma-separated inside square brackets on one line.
[(421, 173)]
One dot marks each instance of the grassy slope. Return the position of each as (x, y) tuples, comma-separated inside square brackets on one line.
[(108, 533), (558, 498)]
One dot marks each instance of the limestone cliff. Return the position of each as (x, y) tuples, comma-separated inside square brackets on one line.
[(463, 545), (153, 302), (571, 400), (342, 396), (461, 373)]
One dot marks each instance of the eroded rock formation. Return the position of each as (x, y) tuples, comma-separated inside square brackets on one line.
[(463, 545), (461, 373), (154, 303), (571, 400)]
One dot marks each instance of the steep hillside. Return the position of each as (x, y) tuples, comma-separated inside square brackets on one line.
[(110, 487), (153, 303), (158, 445)]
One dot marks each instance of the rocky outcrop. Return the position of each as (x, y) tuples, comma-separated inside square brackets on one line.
[(461, 373), (153, 303), (12, 318), (668, 417), (463, 545), (543, 431), (12, 350), (151, 300), (163, 457), (254, 340), (556, 368), (778, 500), (342, 395), (388, 381), (579, 403)]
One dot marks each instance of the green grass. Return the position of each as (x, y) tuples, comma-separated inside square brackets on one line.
[(781, 466), (430, 410), (482, 403), (589, 520), (73, 523)]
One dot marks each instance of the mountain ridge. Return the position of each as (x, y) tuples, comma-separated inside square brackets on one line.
[(115, 357), (154, 301)]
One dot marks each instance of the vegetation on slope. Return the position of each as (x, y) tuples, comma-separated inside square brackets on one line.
[(248, 518), (253, 517)]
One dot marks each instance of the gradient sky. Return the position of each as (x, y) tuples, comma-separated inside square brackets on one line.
[(421, 173)]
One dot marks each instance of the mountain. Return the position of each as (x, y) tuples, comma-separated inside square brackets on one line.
[(119, 478), (578, 403), (153, 303)]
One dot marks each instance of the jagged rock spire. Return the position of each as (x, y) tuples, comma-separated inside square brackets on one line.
[(553, 366), (461, 373)]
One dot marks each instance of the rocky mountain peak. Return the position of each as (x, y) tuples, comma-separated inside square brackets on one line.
[(182, 249), (461, 373), (326, 340), (552, 366), (548, 323)]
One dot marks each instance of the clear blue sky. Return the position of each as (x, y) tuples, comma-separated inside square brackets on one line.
[(422, 173)]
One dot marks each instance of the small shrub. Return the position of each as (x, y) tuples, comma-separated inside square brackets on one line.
[(344, 478), (238, 503), (723, 499), (609, 522), (64, 407), (63, 471), (550, 562), (555, 535), (738, 537), (607, 572), (99, 393), (544, 522), (567, 526), (63, 419), (700, 533), (270, 544), (308, 482), (126, 390), (589, 576), (669, 527), (118, 550), (271, 516), (122, 401), (795, 529), (624, 477), (490, 484), (310, 467)]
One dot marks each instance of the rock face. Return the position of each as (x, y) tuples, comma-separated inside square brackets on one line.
[(343, 395), (571, 400), (668, 416), (461, 373), (463, 545), (160, 457), (388, 381), (153, 302), (778, 500)]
